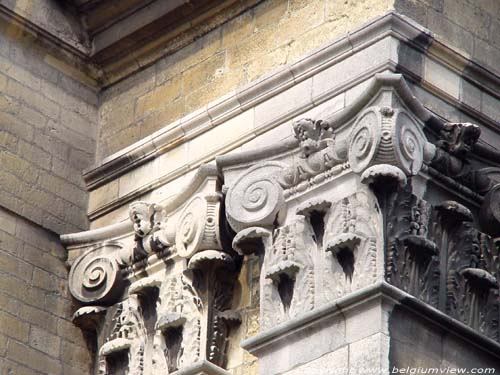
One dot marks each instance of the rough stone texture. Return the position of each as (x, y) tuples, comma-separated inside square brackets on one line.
[(48, 129), (260, 40), (36, 335), (48, 137), (468, 25), (268, 36)]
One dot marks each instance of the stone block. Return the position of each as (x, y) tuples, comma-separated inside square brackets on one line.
[(19, 74), (490, 106), (7, 222), (292, 101), (11, 326), (20, 129), (191, 55), (450, 32), (336, 362), (65, 190), (9, 367), (38, 317), (369, 354), (45, 280), (8, 141), (33, 99), (78, 124), (15, 266), (322, 338), (103, 194), (259, 67), (350, 68), (269, 13), (31, 116), (204, 73), (44, 260), (487, 54), (75, 355), (52, 145), (366, 320), (215, 140), (470, 95), (159, 97), (237, 29), (140, 176), (44, 341), (37, 361), (470, 17), (442, 78), (18, 166)]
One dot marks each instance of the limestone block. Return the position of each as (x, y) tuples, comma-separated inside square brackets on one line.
[(442, 78)]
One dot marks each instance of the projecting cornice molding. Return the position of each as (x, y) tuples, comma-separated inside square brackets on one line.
[(383, 34)]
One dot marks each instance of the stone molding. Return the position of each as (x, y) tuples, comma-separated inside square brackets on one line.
[(342, 207), (382, 292), (388, 27)]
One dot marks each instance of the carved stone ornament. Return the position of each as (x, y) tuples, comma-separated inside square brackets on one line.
[(95, 276), (197, 228), (383, 135), (347, 203), (256, 197)]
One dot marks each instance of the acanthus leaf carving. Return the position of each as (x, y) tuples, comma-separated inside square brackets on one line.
[(349, 247), (287, 278)]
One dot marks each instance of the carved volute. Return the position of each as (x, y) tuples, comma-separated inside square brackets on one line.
[(342, 206), (159, 295), (348, 209)]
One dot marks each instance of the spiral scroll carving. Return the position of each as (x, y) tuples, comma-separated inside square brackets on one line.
[(365, 139), (197, 228), (256, 197), (95, 278), (190, 226), (386, 136), (409, 140)]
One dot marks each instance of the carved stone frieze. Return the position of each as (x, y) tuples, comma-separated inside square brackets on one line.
[(164, 289)]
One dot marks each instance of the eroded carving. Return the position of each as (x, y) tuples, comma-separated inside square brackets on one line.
[(126, 339), (96, 277), (459, 138), (256, 197), (320, 153), (386, 136), (198, 225), (349, 246), (287, 278), (149, 224)]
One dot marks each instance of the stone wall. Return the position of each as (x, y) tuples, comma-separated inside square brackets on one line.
[(47, 137), (260, 40), (270, 35), (469, 25), (49, 131), (36, 333)]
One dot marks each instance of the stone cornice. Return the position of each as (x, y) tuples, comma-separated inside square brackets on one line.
[(382, 291), (267, 87)]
